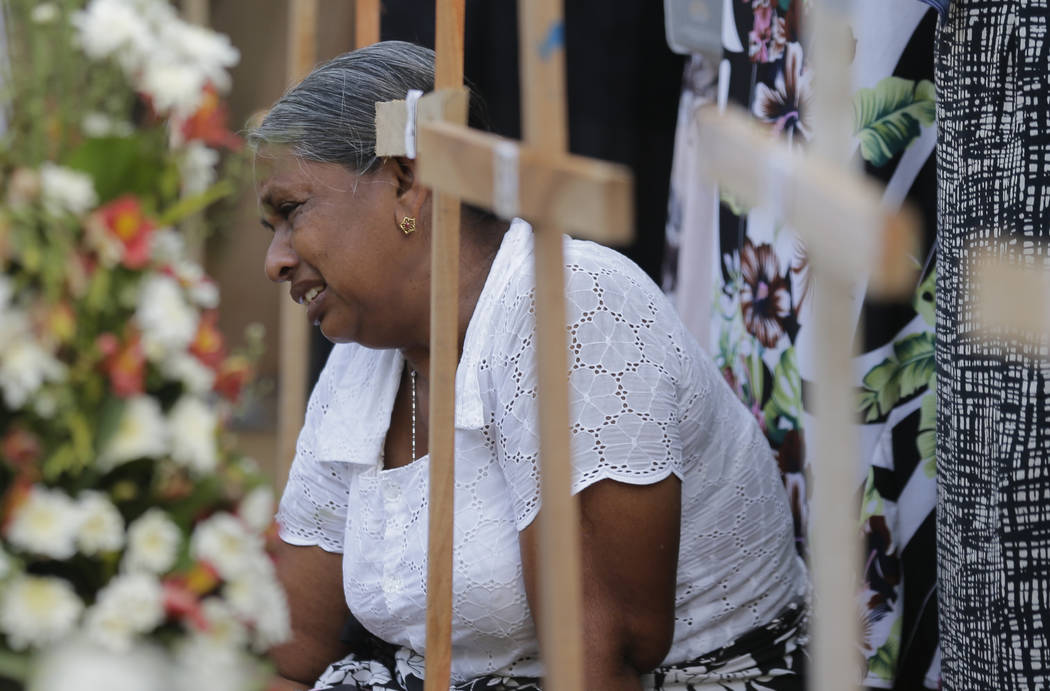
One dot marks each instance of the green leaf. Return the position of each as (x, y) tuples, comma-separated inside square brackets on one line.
[(786, 400), (873, 503), (119, 165), (910, 368), (109, 421), (191, 205), (889, 117), (883, 664), (926, 441), (925, 299)]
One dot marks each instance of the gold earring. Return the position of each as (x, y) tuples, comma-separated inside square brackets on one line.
[(408, 225)]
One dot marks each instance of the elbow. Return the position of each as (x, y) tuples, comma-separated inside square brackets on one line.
[(648, 643)]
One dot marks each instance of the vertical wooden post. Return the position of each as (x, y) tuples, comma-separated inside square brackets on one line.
[(444, 357), (366, 22), (545, 124), (834, 545), (294, 339)]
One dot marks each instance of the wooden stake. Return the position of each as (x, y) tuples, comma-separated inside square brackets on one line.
[(294, 340), (444, 357), (545, 127), (835, 545), (366, 22)]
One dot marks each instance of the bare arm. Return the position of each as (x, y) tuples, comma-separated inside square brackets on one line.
[(629, 546), (313, 580)]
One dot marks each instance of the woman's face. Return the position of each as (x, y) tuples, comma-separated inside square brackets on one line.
[(336, 241)]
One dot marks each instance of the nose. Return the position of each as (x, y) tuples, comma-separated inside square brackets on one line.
[(281, 259)]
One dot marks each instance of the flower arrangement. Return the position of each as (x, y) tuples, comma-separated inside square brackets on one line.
[(132, 534)]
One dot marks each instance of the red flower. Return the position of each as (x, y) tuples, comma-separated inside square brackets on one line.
[(183, 604), (20, 447), (124, 219), (124, 363), (232, 377), (208, 345), (208, 124)]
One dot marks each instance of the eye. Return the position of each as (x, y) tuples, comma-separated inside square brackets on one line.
[(286, 209)]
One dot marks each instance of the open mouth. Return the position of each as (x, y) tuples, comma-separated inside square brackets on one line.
[(311, 295)]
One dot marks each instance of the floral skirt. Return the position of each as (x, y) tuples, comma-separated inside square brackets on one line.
[(768, 658)]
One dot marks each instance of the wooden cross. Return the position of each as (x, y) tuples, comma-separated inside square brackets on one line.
[(840, 217), (538, 181), (293, 331)]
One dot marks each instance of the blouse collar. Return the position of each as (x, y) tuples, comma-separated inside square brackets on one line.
[(366, 380)]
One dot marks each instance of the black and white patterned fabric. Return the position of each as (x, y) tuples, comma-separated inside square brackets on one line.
[(771, 657), (993, 431)]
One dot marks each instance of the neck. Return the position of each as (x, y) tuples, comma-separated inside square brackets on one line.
[(479, 242)]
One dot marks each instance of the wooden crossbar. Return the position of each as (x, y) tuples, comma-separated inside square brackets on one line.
[(584, 196), (841, 218), (589, 198), (1012, 297)]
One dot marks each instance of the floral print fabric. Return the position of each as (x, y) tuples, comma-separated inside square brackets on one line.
[(760, 305)]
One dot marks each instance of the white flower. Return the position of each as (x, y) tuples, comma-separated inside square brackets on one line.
[(167, 321), (102, 526), (256, 597), (45, 523), (225, 542), (25, 367), (44, 13), (97, 124), (224, 628), (173, 86), (197, 167), (77, 663), (167, 246), (7, 291), (114, 28), (205, 51), (130, 604), (202, 290), (66, 190), (189, 371), (257, 509), (35, 611), (205, 293), (192, 424), (141, 433), (200, 664), (153, 540)]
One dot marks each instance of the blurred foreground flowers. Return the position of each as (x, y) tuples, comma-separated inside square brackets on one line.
[(133, 534)]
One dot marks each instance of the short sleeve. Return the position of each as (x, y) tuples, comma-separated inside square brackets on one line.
[(312, 511), (623, 371)]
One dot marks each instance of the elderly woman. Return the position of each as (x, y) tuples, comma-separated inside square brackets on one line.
[(691, 577)]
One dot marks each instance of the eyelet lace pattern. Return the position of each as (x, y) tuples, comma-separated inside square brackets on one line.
[(646, 403)]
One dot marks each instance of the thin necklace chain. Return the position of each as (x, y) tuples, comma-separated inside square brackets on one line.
[(412, 378)]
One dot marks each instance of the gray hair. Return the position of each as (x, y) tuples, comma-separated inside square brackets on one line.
[(329, 117)]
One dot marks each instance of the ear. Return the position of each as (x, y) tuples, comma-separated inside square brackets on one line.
[(410, 194)]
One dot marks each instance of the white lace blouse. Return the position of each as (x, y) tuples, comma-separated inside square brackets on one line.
[(646, 402)]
